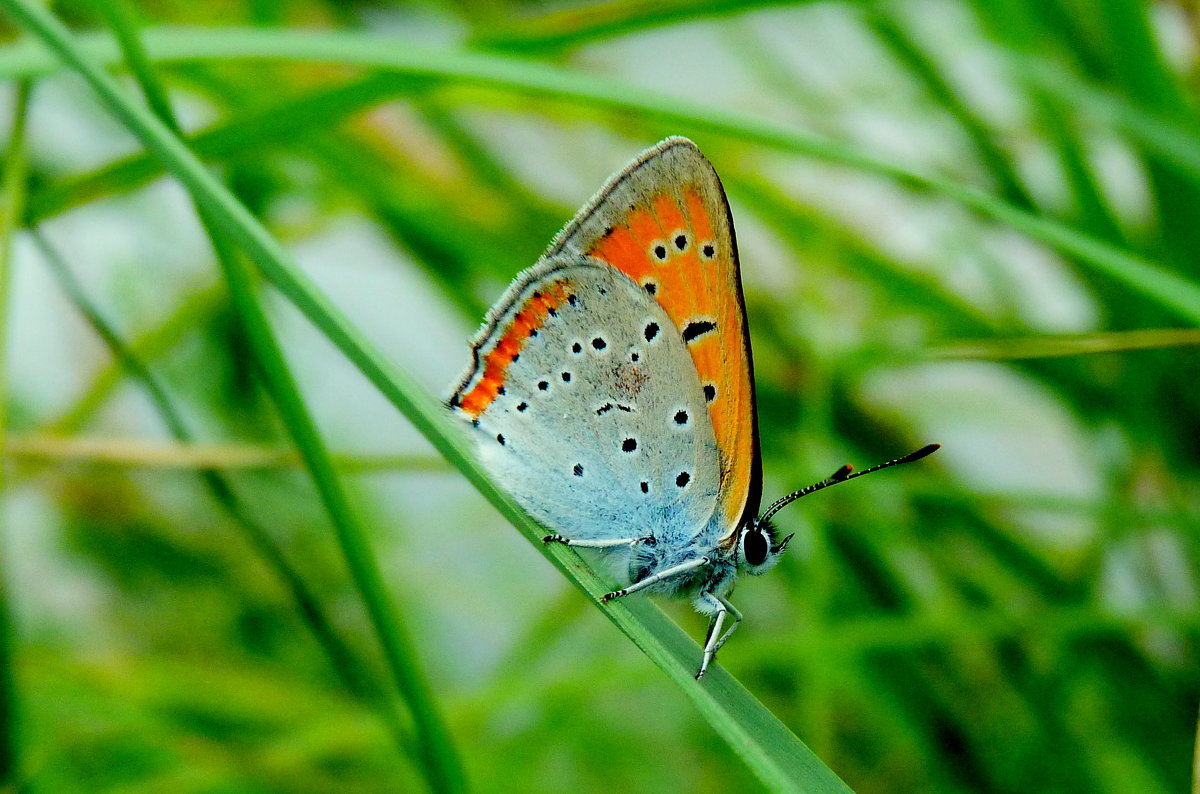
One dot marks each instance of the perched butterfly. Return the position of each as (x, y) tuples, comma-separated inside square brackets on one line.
[(611, 390)]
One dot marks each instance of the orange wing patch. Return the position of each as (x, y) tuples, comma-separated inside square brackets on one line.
[(524, 324), (664, 221), (669, 248)]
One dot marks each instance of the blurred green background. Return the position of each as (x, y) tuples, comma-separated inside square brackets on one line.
[(1017, 613)]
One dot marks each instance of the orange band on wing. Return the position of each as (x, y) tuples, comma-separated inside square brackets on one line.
[(698, 215), (621, 250), (528, 320), (669, 215)]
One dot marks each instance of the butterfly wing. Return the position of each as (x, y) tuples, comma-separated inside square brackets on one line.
[(665, 223), (587, 408)]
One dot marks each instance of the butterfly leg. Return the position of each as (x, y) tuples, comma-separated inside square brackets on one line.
[(655, 578), (715, 638), (591, 544), (737, 619)]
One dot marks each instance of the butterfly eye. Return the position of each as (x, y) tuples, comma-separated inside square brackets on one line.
[(755, 547)]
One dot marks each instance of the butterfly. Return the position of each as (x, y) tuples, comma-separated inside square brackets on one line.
[(611, 391)]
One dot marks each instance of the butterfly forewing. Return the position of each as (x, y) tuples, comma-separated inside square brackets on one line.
[(588, 409), (665, 223)]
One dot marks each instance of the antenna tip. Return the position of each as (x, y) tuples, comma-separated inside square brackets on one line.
[(928, 449)]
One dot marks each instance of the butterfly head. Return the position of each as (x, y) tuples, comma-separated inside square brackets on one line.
[(758, 550)]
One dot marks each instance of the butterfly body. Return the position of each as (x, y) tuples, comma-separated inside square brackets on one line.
[(610, 390)]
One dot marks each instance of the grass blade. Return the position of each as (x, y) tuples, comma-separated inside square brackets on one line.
[(138, 453), (1069, 344), (892, 34), (436, 752), (284, 121), (1169, 291), (349, 669), (557, 30), (12, 194)]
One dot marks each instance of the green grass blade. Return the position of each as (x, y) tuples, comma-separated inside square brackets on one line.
[(138, 453), (1171, 141), (12, 194), (1139, 67), (1175, 294), (781, 761), (281, 122), (1069, 344), (437, 753), (1021, 28), (196, 310), (882, 19), (571, 27), (348, 668), (435, 750), (121, 22)]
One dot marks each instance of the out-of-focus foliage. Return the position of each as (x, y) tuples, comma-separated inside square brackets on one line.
[(1017, 613)]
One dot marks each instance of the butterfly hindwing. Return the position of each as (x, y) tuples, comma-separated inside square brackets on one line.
[(588, 408), (665, 223)]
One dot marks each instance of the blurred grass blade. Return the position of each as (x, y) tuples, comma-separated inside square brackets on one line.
[(197, 310), (1196, 761), (343, 661), (12, 196), (891, 32), (140, 453), (1138, 65), (1021, 28), (556, 30), (1176, 294), (1069, 345), (780, 760), (1170, 140), (438, 758), (240, 136)]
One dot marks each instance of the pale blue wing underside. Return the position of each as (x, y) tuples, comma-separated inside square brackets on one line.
[(602, 429)]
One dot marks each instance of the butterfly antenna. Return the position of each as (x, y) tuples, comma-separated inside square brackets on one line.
[(843, 474)]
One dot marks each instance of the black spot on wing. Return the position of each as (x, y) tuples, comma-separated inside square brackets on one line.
[(698, 328)]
